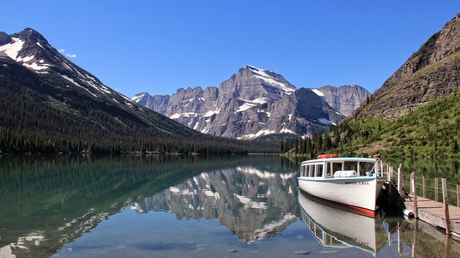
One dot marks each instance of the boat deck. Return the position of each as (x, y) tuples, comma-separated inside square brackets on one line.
[(432, 212)]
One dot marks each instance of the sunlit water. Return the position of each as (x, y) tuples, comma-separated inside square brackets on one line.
[(173, 206)]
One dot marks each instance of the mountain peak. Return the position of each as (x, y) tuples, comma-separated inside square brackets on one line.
[(30, 34), (28, 47), (270, 78)]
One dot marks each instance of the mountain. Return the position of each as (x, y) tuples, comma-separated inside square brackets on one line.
[(255, 102), (429, 74), (49, 104), (415, 112), (344, 99)]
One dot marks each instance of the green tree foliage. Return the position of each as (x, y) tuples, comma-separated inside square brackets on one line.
[(431, 130)]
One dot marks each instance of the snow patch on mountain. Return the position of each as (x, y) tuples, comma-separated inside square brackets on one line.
[(284, 130), (185, 114), (76, 84), (12, 49), (325, 121), (251, 103), (253, 136), (318, 92), (211, 112), (138, 97), (36, 66), (261, 74)]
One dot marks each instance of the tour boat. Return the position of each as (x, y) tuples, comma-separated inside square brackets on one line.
[(354, 182), (335, 227)]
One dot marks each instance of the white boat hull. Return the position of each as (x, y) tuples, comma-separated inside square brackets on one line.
[(360, 192)]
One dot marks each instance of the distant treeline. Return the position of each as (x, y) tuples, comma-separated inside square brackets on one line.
[(13, 141), (309, 146)]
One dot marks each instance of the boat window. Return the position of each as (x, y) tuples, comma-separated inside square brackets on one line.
[(329, 169), (319, 170), (308, 171), (366, 167), (337, 167), (350, 165)]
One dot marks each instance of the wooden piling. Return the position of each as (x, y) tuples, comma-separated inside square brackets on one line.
[(436, 190), (390, 173), (424, 186), (414, 239), (400, 242), (414, 190), (400, 179), (446, 205), (458, 195)]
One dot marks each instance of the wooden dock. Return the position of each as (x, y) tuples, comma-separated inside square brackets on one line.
[(433, 213), (439, 214)]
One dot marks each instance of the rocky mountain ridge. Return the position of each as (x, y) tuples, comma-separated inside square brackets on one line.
[(49, 104), (430, 73), (256, 102)]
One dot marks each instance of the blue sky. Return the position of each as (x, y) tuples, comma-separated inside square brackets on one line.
[(161, 46)]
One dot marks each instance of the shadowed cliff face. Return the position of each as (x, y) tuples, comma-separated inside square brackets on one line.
[(346, 98), (430, 73)]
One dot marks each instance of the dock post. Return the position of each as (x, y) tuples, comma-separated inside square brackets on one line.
[(411, 185), (400, 248), (436, 190), (390, 173), (414, 191), (415, 239), (458, 195), (400, 178), (446, 205), (424, 186)]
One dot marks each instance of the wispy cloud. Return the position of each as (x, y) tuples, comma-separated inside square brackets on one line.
[(67, 54)]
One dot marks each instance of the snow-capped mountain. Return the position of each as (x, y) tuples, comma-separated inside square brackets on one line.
[(33, 51), (252, 103), (52, 105)]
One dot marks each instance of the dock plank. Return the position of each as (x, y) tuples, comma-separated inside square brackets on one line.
[(432, 212)]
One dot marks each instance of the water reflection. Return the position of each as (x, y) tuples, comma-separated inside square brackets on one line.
[(48, 201), (232, 206), (336, 227), (251, 202)]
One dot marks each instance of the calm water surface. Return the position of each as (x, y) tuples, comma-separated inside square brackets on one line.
[(173, 206)]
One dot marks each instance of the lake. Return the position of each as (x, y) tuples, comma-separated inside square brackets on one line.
[(187, 206)]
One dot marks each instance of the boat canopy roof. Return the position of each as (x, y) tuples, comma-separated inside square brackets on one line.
[(355, 159)]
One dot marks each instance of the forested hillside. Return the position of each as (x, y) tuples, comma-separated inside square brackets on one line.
[(430, 131), (43, 113), (416, 112)]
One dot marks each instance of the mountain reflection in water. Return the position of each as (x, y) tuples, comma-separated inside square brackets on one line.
[(48, 201), (183, 206), (252, 203)]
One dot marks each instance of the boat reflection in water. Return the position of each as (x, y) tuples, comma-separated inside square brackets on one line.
[(335, 227)]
